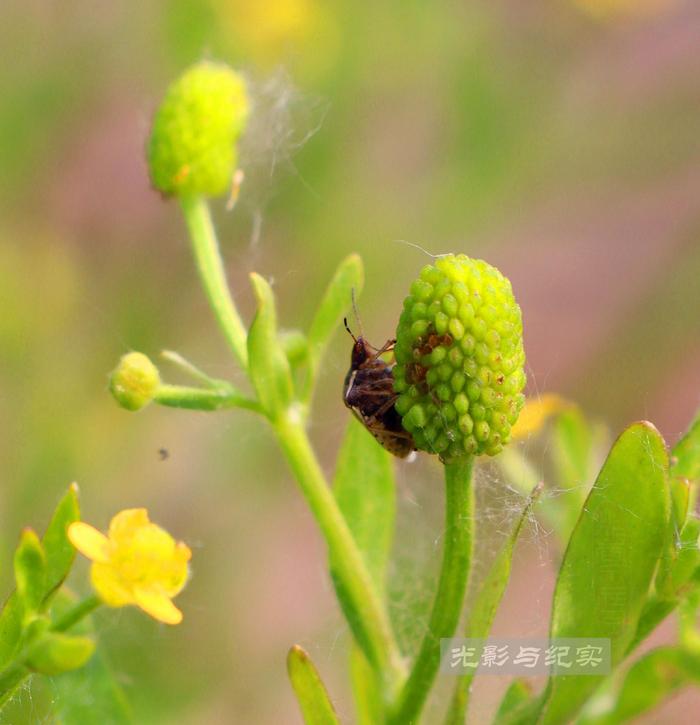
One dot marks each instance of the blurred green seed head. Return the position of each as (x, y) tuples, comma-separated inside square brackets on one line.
[(459, 359), (192, 148), (135, 381)]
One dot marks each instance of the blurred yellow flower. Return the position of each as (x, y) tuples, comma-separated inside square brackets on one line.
[(536, 412), (136, 563), (281, 31)]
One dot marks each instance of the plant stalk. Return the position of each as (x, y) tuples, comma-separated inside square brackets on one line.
[(347, 562), (449, 598), (211, 270)]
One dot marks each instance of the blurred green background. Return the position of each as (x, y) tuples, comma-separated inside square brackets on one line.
[(558, 140)]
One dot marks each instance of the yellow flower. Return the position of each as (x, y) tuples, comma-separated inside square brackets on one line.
[(136, 563), (536, 412)]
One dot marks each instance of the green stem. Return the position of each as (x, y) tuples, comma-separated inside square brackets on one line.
[(182, 396), (353, 577), (213, 276), (76, 613), (449, 598)]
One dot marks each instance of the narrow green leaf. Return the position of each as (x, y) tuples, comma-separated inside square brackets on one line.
[(483, 610), (90, 695), (519, 471), (680, 498), (316, 707), (518, 692), (573, 442), (295, 346), (685, 456), (681, 557), (611, 558), (348, 277), (30, 570), (365, 490), (655, 610), (650, 680), (268, 365), (11, 619), (572, 454), (55, 653), (366, 693), (489, 596), (60, 553)]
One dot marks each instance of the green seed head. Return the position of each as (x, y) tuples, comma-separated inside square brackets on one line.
[(192, 148), (135, 381), (459, 359)]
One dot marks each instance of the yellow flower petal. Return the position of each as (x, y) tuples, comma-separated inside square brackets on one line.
[(126, 524), (536, 412), (110, 586), (139, 563), (158, 605), (177, 578), (89, 541)]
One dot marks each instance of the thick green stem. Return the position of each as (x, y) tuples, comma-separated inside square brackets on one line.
[(347, 562), (449, 598), (212, 274)]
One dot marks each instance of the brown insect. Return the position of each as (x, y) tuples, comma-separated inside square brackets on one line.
[(369, 392)]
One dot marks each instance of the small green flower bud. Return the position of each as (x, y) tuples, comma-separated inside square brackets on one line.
[(135, 381), (460, 361), (192, 148)]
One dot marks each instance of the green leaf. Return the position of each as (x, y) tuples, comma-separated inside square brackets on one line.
[(30, 571), (367, 695), (483, 610), (680, 498), (608, 566), (650, 680), (518, 692), (348, 277), (681, 558), (11, 620), (295, 346), (315, 705), (655, 611), (55, 653), (268, 365), (60, 553), (685, 455), (573, 444), (491, 591), (90, 695), (365, 490)]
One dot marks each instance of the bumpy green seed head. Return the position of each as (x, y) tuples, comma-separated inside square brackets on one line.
[(135, 381), (192, 148), (459, 359)]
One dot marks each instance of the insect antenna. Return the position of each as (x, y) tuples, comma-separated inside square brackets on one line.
[(356, 313), (347, 327)]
